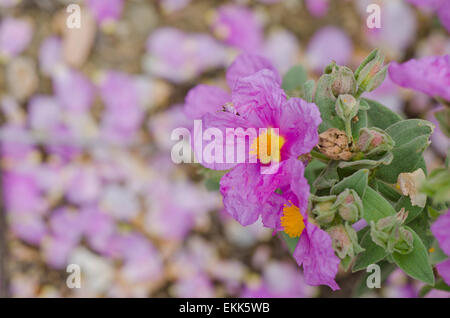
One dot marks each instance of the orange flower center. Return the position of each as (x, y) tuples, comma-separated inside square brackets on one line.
[(292, 220), (267, 146)]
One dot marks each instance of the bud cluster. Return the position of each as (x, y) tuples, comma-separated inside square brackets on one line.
[(374, 141), (390, 234)]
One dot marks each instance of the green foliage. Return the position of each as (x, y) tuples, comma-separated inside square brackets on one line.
[(375, 206), (294, 78), (411, 139), (372, 254), (290, 242), (357, 182), (416, 264), (372, 174)]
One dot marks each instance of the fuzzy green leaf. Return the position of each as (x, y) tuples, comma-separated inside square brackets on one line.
[(290, 242), (386, 270), (411, 139), (357, 182), (379, 115), (416, 264), (375, 206), (328, 177), (326, 101), (294, 78), (373, 253)]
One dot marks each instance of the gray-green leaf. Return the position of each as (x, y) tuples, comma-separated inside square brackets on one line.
[(416, 264), (375, 206)]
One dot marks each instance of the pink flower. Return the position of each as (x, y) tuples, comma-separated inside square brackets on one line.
[(238, 26), (106, 11), (441, 7), (179, 57), (279, 280), (15, 35), (429, 75), (399, 27), (317, 8), (50, 55), (74, 90), (329, 44), (315, 252), (259, 102), (248, 194), (282, 49), (123, 114), (440, 230)]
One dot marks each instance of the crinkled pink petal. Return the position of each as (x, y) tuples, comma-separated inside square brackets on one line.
[(441, 230), (299, 126), (248, 64), (295, 189), (315, 252), (220, 121), (429, 75), (259, 98), (247, 193), (271, 211), (203, 99)]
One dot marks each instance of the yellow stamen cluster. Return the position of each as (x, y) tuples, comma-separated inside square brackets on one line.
[(267, 147), (292, 221)]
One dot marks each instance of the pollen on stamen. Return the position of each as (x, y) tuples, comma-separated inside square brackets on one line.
[(292, 221), (267, 147)]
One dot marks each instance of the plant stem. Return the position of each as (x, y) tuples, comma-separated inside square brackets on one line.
[(320, 156)]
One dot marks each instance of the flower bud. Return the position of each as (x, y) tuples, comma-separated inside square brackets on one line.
[(404, 244), (389, 233), (345, 240), (324, 209), (374, 141), (347, 107), (371, 73), (349, 205), (343, 80)]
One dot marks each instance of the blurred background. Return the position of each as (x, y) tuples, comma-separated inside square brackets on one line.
[(86, 117)]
